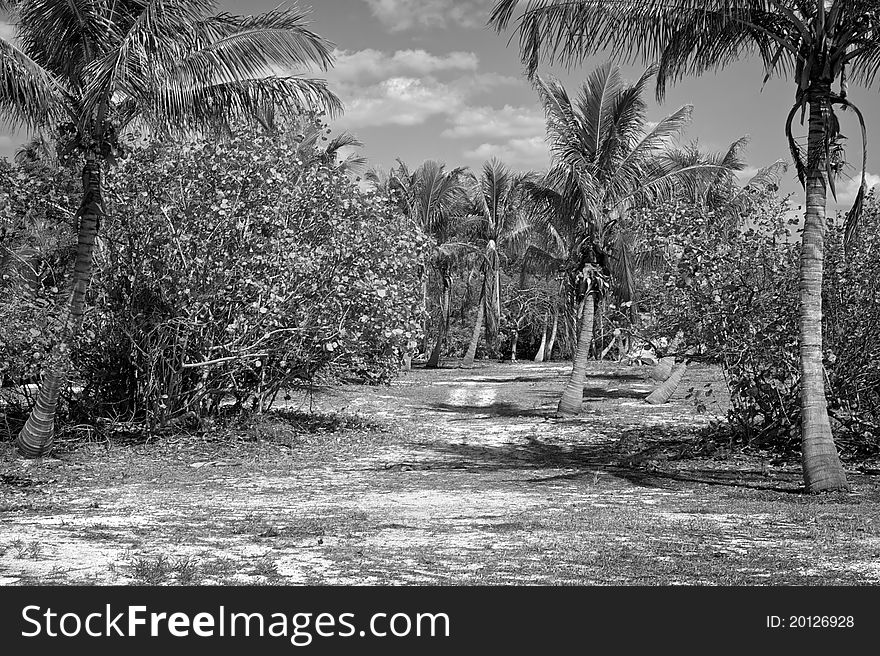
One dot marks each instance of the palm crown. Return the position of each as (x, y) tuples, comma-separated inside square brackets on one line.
[(817, 42), (94, 67)]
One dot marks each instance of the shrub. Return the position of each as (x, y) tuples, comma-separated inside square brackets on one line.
[(230, 271), (37, 241), (733, 293)]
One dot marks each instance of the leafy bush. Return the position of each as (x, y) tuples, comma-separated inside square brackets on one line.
[(37, 241), (733, 293), (229, 270)]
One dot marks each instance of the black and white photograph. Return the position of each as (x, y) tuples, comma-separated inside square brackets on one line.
[(425, 295)]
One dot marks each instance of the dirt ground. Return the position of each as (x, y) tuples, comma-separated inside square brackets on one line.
[(446, 477)]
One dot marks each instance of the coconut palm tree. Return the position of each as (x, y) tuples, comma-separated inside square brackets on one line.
[(497, 223), (604, 161), (817, 43), (434, 199), (88, 70)]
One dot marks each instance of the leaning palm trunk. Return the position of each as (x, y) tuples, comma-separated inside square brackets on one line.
[(35, 439), (539, 356), (664, 367), (434, 360), (666, 389), (468, 360), (821, 463), (548, 354), (572, 400)]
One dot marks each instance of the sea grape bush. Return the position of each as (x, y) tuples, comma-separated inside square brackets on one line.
[(37, 241), (732, 291), (230, 270)]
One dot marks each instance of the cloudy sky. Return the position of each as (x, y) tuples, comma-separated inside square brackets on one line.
[(425, 79)]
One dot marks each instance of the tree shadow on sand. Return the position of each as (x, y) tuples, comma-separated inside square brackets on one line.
[(659, 462)]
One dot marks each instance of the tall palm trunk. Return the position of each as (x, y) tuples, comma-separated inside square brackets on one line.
[(514, 341), (35, 439), (434, 360), (821, 463), (468, 360), (424, 312), (572, 400)]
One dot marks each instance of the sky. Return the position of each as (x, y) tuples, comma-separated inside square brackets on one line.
[(426, 79)]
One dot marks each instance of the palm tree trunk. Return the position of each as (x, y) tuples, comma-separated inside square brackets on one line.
[(548, 355), (468, 360), (667, 388), (35, 439), (425, 312), (572, 400), (664, 367), (434, 360), (539, 356), (821, 463), (514, 342)]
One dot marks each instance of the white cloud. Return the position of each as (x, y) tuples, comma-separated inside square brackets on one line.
[(407, 87), (7, 31), (398, 15), (847, 195), (530, 152), (491, 123), (745, 175), (369, 65), (399, 101)]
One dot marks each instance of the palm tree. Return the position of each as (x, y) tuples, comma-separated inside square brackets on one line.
[(497, 223), (818, 43), (603, 162), (434, 199), (88, 70)]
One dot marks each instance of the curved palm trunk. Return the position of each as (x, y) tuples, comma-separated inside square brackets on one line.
[(35, 439), (548, 354), (468, 360), (434, 360), (572, 400), (539, 356), (666, 389), (821, 463)]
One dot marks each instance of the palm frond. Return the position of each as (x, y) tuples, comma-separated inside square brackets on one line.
[(174, 56), (220, 106), (30, 96), (630, 173), (676, 34)]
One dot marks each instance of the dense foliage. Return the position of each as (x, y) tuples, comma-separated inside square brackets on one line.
[(732, 292), (230, 270), (36, 249)]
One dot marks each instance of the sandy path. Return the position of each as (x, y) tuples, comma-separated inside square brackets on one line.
[(476, 482)]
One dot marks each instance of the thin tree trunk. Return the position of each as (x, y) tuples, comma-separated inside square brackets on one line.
[(667, 388), (35, 439), (572, 400), (425, 312), (552, 342), (468, 360), (434, 360), (539, 356), (821, 463), (514, 342)]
